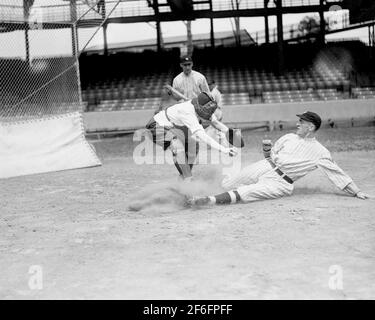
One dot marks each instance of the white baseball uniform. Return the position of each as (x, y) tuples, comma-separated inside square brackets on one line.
[(295, 157), (210, 130), (180, 114), (191, 85), (174, 128), (181, 120), (217, 96)]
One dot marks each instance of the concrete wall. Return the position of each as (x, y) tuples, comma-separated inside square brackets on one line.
[(336, 109), (241, 114), (116, 120)]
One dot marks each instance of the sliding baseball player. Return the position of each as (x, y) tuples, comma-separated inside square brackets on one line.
[(292, 157)]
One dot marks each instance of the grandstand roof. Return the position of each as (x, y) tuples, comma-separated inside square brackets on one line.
[(225, 38)]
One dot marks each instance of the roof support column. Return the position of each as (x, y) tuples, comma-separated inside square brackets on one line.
[(371, 40), (212, 36), (73, 17), (266, 26), (322, 22), (280, 35), (105, 26), (27, 4), (158, 25)]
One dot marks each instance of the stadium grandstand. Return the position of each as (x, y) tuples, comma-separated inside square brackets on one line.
[(312, 70), (287, 64)]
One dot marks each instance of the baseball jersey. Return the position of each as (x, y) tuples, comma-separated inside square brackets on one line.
[(297, 156), (180, 114), (190, 85), (217, 96)]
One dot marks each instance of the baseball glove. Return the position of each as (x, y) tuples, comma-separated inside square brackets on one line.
[(234, 138)]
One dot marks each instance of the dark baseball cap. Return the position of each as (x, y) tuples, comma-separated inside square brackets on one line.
[(205, 97), (311, 117), (186, 59)]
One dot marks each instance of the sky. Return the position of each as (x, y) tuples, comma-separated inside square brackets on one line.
[(47, 43)]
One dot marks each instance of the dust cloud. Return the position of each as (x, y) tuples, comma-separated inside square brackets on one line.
[(172, 195)]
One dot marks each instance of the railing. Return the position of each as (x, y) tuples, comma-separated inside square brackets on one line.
[(61, 13), (11, 13), (293, 31), (223, 5)]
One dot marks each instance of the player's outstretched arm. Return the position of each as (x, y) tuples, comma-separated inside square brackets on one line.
[(201, 135), (352, 189), (340, 178), (218, 124), (233, 136), (363, 196)]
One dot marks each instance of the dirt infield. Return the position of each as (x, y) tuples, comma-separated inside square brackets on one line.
[(76, 228)]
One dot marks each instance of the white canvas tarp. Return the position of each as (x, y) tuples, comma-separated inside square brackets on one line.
[(44, 145)]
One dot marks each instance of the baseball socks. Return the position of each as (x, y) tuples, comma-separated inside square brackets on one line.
[(223, 198), (182, 166)]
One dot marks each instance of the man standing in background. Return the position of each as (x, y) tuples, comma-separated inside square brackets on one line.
[(189, 82)]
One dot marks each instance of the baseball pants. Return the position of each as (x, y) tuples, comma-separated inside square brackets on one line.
[(258, 181), (177, 138)]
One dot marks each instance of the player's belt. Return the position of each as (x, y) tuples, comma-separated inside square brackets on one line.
[(279, 172)]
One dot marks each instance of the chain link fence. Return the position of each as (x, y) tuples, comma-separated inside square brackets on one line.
[(39, 69)]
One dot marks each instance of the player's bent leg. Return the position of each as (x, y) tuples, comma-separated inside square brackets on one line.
[(271, 187), (222, 198), (248, 175), (179, 158), (191, 151), (265, 188)]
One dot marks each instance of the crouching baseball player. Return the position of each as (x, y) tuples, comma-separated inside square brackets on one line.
[(178, 128), (293, 156)]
